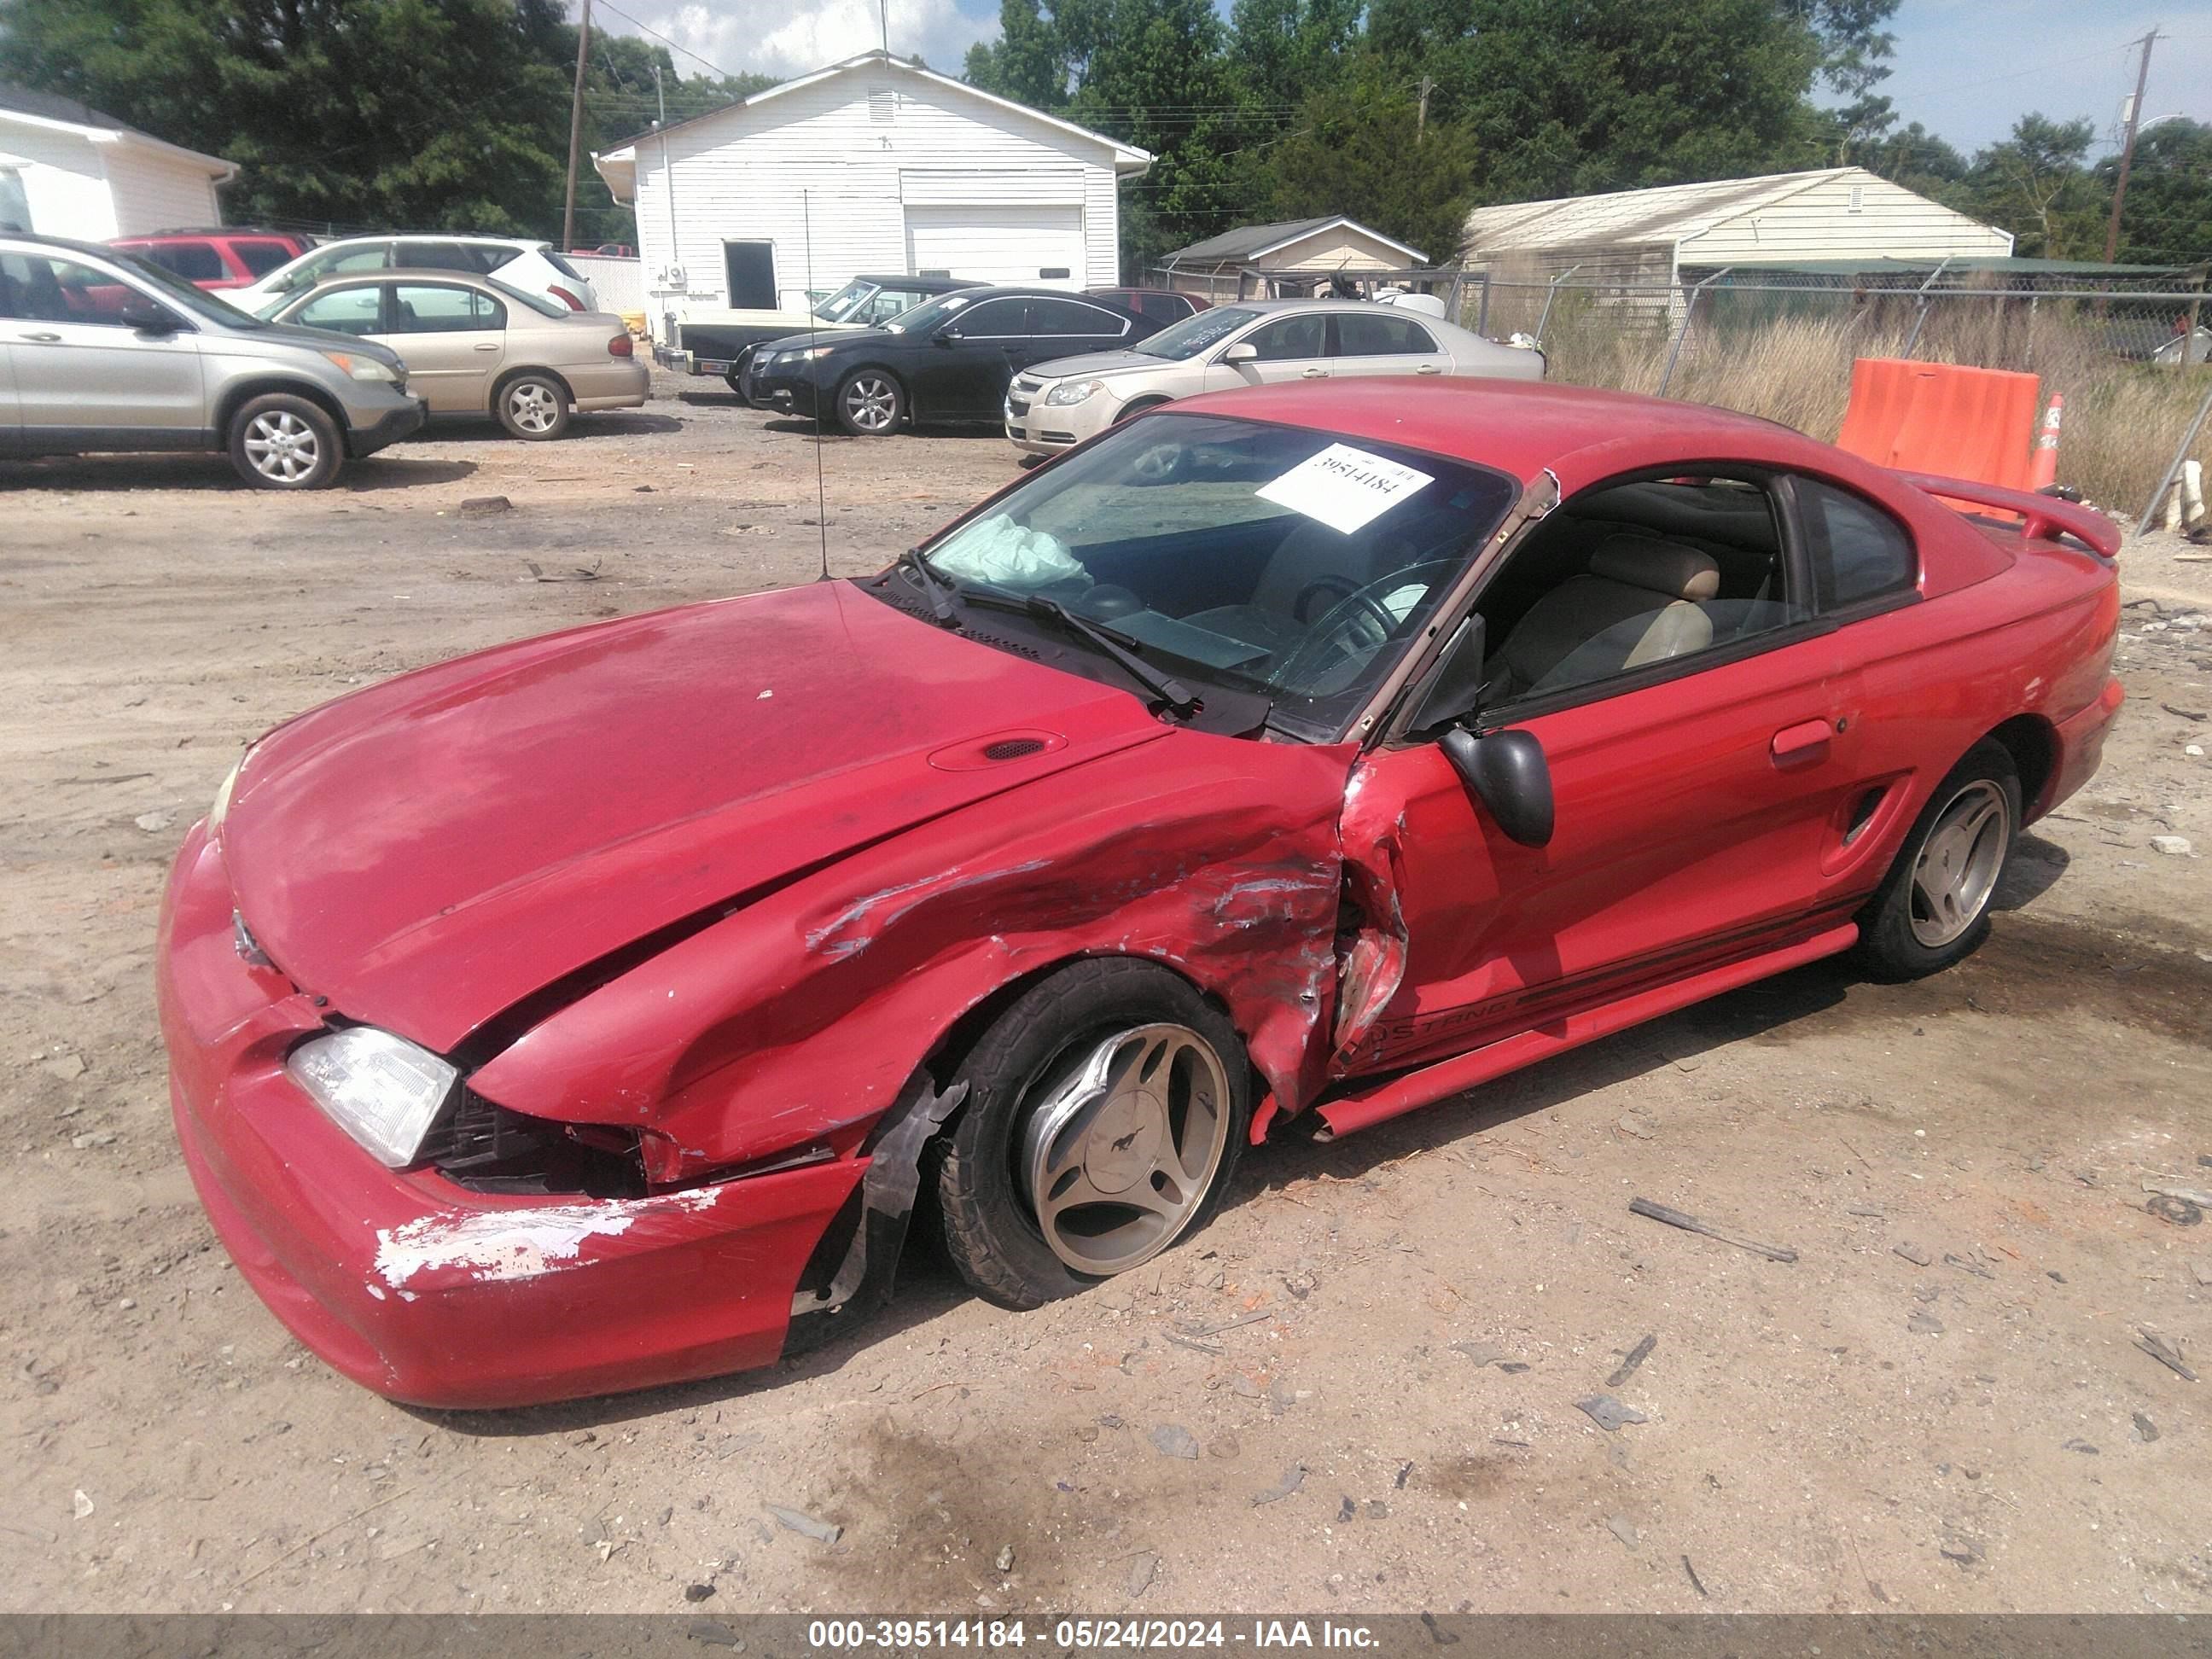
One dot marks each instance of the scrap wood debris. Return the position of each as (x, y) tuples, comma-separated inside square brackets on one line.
[(1690, 1224)]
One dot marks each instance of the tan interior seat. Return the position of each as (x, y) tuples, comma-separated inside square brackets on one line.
[(1639, 603)]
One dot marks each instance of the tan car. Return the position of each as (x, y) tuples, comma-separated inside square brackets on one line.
[(475, 346)]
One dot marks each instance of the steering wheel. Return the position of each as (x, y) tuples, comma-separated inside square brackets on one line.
[(1342, 587), (1342, 643)]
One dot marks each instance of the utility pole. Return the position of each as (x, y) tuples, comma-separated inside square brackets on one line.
[(576, 126), (667, 168), (1421, 121), (2128, 149), (883, 15)]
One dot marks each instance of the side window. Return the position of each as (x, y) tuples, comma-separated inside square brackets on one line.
[(352, 310), (1360, 335), (374, 255), (45, 290), (886, 304), (440, 256), (489, 312), (1630, 576), (1857, 551), (1061, 317), (1290, 338), (994, 320), (15, 201), (420, 308), (259, 259), (196, 262)]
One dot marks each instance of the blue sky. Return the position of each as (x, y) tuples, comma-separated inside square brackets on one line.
[(1965, 69)]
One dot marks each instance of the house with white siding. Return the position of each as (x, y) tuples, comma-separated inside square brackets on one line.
[(871, 166), (1653, 236), (68, 170)]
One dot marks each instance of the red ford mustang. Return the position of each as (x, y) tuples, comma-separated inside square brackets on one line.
[(591, 1012)]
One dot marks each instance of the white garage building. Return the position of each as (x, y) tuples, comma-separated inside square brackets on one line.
[(68, 170), (871, 166)]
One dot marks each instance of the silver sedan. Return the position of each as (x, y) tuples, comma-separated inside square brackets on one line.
[(1248, 343)]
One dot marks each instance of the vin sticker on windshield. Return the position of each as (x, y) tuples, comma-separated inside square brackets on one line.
[(1343, 487)]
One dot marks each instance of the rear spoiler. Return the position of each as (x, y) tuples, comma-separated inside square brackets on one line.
[(2046, 516)]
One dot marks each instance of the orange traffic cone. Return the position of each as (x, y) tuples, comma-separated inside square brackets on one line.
[(2043, 467)]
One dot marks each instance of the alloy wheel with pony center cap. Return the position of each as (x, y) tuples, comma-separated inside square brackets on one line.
[(1119, 1157), (1960, 861)]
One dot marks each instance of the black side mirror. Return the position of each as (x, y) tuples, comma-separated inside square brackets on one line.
[(1506, 772), (146, 317)]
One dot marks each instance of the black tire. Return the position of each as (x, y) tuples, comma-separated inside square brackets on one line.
[(736, 376), (870, 403), (533, 405), (1902, 936), (281, 441), (991, 1229)]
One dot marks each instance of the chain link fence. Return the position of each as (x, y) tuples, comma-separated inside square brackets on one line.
[(2130, 358)]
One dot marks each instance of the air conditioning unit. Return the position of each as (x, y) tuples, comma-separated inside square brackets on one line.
[(671, 277)]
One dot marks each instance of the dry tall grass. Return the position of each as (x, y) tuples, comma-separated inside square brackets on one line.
[(2123, 418)]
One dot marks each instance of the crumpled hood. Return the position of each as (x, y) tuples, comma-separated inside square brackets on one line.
[(429, 851), (1096, 363)]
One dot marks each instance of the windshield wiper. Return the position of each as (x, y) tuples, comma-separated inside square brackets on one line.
[(1168, 688), (943, 595)]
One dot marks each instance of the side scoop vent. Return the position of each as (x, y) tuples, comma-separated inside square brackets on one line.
[(997, 749)]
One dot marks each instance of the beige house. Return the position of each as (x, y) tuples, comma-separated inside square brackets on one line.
[(1651, 236), (1260, 261)]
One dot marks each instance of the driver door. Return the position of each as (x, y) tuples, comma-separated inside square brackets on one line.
[(972, 360), (1290, 348), (1693, 799)]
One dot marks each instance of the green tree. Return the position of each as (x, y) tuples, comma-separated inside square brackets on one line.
[(2036, 184), (1359, 149), (1283, 52), (310, 99), (2166, 217)]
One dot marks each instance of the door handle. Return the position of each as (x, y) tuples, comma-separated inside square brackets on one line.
[(1795, 742), (1430, 369), (1313, 374), (41, 335), (486, 346)]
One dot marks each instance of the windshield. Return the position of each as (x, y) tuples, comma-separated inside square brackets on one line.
[(1195, 332), (181, 294), (845, 301), (930, 313), (1276, 560)]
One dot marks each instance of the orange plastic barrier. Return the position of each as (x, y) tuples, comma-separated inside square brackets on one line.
[(1976, 423)]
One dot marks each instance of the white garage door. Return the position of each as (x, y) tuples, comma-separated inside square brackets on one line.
[(1041, 247)]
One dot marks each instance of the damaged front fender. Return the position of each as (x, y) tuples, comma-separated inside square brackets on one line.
[(796, 1023)]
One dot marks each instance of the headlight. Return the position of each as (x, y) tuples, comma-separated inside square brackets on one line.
[(810, 353), (360, 367), (221, 809), (1071, 391), (383, 1091)]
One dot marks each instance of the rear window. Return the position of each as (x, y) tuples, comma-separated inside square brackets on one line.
[(196, 262), (537, 302), (561, 264), (259, 259)]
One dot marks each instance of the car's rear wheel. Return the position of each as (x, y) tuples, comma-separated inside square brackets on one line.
[(1106, 1107), (281, 441), (533, 405), (870, 404), (1933, 907)]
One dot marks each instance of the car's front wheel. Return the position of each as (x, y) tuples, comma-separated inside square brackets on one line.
[(1933, 907), (281, 441), (1105, 1110), (533, 406), (870, 404)]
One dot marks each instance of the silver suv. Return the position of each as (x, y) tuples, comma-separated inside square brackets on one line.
[(100, 351)]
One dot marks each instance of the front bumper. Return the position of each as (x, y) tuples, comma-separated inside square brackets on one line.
[(787, 386), (417, 1287), (387, 429)]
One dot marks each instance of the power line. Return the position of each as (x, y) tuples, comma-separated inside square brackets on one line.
[(666, 41)]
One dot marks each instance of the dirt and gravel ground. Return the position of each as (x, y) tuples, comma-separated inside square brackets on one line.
[(1941, 1405)]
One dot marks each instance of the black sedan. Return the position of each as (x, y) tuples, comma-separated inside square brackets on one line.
[(948, 361)]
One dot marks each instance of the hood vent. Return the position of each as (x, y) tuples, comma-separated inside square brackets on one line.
[(999, 748)]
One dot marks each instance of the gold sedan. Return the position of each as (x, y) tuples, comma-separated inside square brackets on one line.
[(475, 346)]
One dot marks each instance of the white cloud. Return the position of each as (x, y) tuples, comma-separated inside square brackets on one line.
[(786, 38)]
